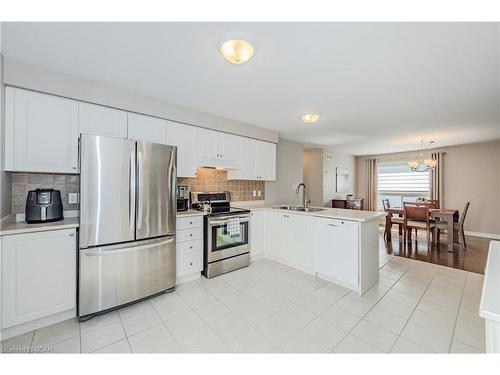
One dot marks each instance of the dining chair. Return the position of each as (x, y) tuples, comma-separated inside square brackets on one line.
[(416, 216), (390, 219), (457, 227)]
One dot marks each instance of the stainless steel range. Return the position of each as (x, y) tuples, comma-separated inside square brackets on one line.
[(226, 231)]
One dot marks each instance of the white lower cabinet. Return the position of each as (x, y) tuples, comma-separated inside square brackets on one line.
[(335, 246), (257, 233), (38, 275), (287, 239), (189, 245)]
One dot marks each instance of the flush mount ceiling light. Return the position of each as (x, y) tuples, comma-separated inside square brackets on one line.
[(237, 51), (310, 118)]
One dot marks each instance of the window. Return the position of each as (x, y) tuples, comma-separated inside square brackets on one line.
[(399, 184)]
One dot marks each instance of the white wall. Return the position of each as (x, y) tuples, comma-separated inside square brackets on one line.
[(471, 174), (320, 175), (40, 79), (5, 178), (289, 173)]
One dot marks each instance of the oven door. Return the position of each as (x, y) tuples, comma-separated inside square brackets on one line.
[(221, 244)]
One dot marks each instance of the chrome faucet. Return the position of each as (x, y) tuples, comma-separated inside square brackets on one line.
[(297, 191)]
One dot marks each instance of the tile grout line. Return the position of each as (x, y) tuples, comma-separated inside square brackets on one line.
[(458, 313), (124, 331), (362, 318), (413, 311)]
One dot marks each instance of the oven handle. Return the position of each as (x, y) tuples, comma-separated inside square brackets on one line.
[(221, 222)]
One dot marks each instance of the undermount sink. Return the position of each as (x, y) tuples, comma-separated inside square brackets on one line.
[(300, 208)]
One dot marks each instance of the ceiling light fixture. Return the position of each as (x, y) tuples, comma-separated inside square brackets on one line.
[(237, 51), (310, 118), (424, 162)]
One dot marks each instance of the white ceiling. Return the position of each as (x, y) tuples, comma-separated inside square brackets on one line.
[(379, 87)]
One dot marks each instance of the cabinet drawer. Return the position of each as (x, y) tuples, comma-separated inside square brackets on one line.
[(189, 222), (189, 263), (185, 247), (189, 235)]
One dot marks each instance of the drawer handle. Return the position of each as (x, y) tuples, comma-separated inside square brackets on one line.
[(190, 247), (190, 234), (71, 234), (191, 263), (190, 222)]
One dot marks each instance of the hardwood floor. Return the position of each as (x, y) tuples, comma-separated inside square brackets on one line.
[(473, 260)]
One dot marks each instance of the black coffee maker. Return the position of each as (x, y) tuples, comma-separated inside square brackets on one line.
[(43, 205)]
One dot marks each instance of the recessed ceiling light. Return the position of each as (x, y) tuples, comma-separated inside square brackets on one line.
[(237, 51), (310, 118)]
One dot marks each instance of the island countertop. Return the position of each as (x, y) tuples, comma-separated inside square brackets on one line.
[(330, 213), (490, 298)]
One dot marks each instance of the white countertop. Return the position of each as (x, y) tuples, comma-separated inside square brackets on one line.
[(490, 297), (10, 226), (331, 213), (189, 213)]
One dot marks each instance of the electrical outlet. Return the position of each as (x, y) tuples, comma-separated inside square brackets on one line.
[(254, 193), (259, 193), (73, 198)]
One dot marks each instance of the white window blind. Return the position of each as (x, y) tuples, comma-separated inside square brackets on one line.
[(399, 184)]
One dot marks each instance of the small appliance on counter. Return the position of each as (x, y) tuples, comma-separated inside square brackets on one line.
[(182, 198), (43, 205), (226, 233)]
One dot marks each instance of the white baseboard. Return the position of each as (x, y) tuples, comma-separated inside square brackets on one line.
[(483, 235), (188, 278)]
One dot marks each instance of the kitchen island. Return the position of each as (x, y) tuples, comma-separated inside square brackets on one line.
[(334, 244)]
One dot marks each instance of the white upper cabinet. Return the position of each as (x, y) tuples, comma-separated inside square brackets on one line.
[(266, 167), (216, 149), (255, 160), (99, 120), (41, 132), (184, 137), (147, 128)]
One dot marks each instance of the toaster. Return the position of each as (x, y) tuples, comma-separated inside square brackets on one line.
[(43, 205)]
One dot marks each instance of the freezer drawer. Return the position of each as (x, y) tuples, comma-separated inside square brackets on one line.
[(111, 276)]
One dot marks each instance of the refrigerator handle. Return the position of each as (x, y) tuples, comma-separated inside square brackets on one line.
[(131, 194), (128, 249), (139, 187)]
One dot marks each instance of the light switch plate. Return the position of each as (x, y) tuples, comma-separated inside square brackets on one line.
[(73, 198)]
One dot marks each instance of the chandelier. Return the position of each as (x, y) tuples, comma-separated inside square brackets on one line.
[(424, 161)]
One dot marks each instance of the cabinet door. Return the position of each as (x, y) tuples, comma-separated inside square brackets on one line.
[(267, 161), (275, 233), (298, 237), (41, 133), (246, 160), (147, 128), (99, 120), (226, 146), (184, 137), (38, 275), (207, 144), (257, 232), (336, 250)]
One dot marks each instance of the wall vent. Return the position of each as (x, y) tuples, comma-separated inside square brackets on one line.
[(328, 156)]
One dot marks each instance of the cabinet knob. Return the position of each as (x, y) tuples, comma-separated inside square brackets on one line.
[(71, 234), (74, 168), (191, 222), (191, 263), (190, 247), (190, 234)]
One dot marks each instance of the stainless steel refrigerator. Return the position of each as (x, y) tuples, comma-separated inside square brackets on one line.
[(127, 221)]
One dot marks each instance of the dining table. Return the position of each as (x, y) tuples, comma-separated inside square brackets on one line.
[(444, 214)]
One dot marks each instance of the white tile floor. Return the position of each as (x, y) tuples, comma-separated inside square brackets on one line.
[(270, 308)]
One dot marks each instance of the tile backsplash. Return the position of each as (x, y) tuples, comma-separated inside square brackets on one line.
[(216, 180), (206, 180), (24, 182)]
